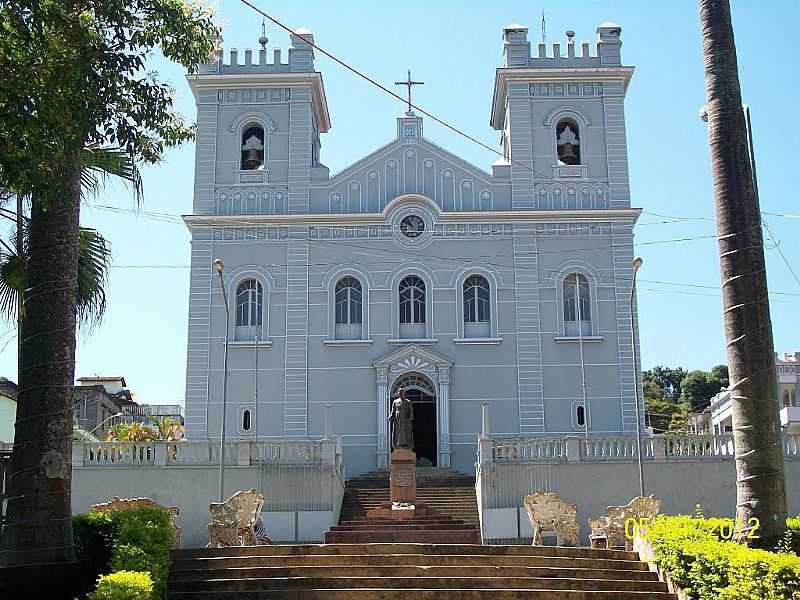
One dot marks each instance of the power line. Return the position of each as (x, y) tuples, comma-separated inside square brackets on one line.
[(778, 248)]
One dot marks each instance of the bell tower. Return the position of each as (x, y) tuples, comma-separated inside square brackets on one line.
[(560, 111)]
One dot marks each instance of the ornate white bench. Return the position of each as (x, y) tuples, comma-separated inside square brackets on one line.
[(118, 504), (549, 512), (610, 529), (233, 522)]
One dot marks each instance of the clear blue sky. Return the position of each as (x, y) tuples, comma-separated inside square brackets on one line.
[(454, 47)]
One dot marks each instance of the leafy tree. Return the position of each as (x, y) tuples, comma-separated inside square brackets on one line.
[(167, 428), (698, 387), (74, 77), (665, 416), (663, 383), (721, 373)]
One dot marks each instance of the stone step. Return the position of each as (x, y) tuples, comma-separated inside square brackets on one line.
[(430, 583), (407, 549), (416, 536), (270, 571), (211, 561), (399, 526), (418, 594)]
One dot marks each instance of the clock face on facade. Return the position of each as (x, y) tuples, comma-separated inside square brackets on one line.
[(412, 226)]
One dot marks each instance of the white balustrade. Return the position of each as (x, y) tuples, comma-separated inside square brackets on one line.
[(529, 449), (119, 453)]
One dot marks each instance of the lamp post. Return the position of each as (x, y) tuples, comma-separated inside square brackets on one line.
[(637, 263), (100, 424), (219, 267)]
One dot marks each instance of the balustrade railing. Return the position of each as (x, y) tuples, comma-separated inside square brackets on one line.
[(529, 449), (659, 448), (205, 453)]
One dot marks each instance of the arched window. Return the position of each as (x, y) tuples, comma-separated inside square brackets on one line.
[(787, 399), (577, 305), (249, 309), (568, 142), (477, 313), (252, 148), (348, 309), (580, 415), (412, 307)]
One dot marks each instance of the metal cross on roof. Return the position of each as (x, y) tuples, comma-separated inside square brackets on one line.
[(408, 83)]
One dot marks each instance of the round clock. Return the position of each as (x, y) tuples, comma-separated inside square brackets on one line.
[(412, 226)]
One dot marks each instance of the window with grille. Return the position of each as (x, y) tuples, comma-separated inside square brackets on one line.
[(577, 305)]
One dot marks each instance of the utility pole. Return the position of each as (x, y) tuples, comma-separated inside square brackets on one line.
[(760, 485)]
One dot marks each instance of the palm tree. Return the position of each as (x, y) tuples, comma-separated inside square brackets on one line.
[(167, 428), (58, 273), (760, 486), (94, 254)]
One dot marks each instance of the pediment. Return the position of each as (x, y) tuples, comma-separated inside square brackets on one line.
[(412, 358)]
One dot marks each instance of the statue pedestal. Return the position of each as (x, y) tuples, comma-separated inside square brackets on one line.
[(402, 489), (403, 476)]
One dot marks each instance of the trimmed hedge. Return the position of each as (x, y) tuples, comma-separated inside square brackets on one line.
[(123, 585), (708, 567), (125, 541)]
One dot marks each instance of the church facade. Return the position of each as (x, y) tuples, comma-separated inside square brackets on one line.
[(413, 268)]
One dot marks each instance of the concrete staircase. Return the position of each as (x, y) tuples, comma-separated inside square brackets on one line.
[(411, 571), (448, 498), (449, 493)]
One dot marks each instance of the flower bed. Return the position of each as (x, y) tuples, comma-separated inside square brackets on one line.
[(121, 548), (693, 551)]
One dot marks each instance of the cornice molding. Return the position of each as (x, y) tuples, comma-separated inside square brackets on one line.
[(198, 81), (629, 215)]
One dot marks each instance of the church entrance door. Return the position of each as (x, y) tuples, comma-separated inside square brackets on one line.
[(422, 394)]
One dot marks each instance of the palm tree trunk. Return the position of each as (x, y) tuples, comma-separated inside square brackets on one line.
[(38, 533), (760, 491)]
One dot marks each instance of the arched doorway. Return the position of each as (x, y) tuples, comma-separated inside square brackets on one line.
[(422, 394)]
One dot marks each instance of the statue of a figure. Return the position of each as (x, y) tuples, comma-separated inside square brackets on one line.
[(401, 419)]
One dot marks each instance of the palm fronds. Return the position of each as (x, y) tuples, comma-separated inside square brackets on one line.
[(98, 163)]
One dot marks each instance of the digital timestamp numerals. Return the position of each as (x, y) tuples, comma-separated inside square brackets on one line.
[(726, 531)]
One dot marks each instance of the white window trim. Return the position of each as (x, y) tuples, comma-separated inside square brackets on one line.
[(429, 300), (562, 336), (573, 407), (493, 337), (231, 284), (333, 279), (240, 416)]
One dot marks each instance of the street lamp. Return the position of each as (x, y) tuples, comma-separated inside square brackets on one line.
[(219, 267), (100, 424), (637, 263)]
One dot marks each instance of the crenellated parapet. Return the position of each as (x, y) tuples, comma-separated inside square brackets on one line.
[(299, 58), (518, 51)]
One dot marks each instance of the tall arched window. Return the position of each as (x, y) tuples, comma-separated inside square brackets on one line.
[(252, 148), (249, 309), (577, 305), (412, 307), (568, 142), (477, 313), (348, 309)]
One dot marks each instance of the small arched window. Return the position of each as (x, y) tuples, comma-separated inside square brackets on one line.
[(568, 142), (580, 415), (477, 313), (577, 305), (412, 307), (252, 148), (249, 309), (247, 420), (348, 309)]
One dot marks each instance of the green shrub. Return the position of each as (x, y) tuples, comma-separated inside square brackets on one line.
[(709, 567), (129, 540), (94, 535), (123, 585)]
